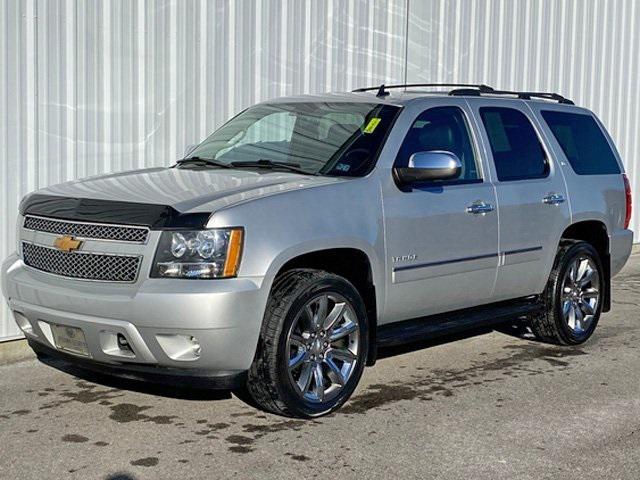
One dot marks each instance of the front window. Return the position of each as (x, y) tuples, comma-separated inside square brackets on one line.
[(341, 138), (441, 128)]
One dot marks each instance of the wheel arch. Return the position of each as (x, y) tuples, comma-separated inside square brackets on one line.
[(595, 233), (352, 263)]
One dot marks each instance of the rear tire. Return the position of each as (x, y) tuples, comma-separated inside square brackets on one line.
[(573, 297), (313, 345)]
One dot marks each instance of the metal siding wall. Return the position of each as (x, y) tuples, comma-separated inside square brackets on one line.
[(92, 87), (587, 50)]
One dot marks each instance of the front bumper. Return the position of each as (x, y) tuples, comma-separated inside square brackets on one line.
[(223, 315), (192, 378)]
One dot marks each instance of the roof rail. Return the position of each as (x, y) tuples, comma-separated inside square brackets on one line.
[(521, 95), (382, 89), (469, 89)]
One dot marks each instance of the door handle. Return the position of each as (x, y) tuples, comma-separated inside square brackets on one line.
[(553, 199), (480, 208)]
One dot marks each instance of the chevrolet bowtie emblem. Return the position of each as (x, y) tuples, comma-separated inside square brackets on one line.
[(67, 244)]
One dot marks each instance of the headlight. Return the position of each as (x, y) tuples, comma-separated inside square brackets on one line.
[(198, 254)]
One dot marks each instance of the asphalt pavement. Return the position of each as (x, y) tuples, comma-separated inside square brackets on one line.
[(488, 405)]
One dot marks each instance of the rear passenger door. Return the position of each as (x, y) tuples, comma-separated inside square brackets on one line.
[(531, 193)]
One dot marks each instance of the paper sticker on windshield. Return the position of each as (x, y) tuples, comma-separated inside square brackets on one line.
[(371, 126)]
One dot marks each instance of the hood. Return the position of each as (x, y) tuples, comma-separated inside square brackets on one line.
[(158, 196)]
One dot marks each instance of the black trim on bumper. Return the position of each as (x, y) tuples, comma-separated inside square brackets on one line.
[(110, 211), (143, 373)]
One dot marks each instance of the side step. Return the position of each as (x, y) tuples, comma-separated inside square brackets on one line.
[(454, 322)]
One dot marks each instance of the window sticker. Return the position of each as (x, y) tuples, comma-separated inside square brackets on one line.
[(371, 126)]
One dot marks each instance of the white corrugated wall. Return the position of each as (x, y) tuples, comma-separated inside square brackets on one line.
[(586, 50), (88, 87)]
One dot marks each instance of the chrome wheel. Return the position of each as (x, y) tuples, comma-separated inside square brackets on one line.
[(580, 294), (323, 346)]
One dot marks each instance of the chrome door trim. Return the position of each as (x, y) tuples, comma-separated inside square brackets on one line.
[(553, 199), (480, 208), (522, 250), (444, 262), (465, 259)]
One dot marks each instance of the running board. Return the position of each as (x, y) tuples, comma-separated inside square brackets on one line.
[(425, 328)]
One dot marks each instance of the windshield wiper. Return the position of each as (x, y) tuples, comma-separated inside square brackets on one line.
[(292, 167), (200, 161), (205, 162)]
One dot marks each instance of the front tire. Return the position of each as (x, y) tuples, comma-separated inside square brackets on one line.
[(573, 297), (313, 345)]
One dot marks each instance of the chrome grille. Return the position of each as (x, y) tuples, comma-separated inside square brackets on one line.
[(86, 266), (100, 231)]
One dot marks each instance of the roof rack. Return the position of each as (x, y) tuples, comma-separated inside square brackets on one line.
[(382, 89), (521, 95), (470, 89)]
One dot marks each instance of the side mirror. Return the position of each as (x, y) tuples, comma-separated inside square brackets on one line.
[(429, 166), (190, 148)]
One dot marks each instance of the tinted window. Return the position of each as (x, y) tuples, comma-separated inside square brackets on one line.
[(517, 152), (440, 128), (583, 143)]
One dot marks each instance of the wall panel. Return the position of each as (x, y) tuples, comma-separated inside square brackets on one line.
[(586, 50), (91, 87)]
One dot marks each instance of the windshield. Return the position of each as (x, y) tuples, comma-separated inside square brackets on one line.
[(320, 138)]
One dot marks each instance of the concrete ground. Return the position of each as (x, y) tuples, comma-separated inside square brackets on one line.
[(488, 405)]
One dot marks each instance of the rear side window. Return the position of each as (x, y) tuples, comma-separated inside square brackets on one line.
[(583, 143), (517, 152)]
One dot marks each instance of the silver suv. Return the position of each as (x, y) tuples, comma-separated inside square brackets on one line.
[(306, 232)]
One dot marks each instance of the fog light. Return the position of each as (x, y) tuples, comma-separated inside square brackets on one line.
[(183, 348), (195, 346), (123, 344), (115, 344)]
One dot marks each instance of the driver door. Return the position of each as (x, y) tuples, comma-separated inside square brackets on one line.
[(442, 250)]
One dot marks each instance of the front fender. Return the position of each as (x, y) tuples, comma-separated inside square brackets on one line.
[(281, 227), (327, 244)]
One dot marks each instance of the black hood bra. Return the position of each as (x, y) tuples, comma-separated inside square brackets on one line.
[(153, 216)]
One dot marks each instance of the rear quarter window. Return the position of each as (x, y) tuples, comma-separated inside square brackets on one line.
[(582, 142)]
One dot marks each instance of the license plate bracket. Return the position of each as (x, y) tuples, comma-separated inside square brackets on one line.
[(70, 339)]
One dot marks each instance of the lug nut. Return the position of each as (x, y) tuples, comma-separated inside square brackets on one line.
[(325, 344)]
